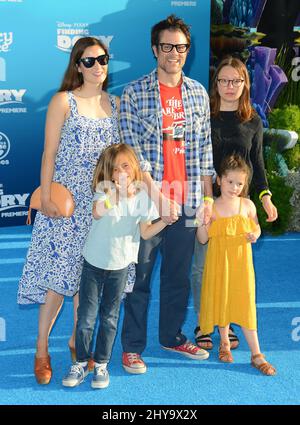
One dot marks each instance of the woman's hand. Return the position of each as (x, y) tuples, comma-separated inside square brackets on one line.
[(50, 209), (269, 208)]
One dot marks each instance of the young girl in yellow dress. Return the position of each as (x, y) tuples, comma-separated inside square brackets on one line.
[(228, 288)]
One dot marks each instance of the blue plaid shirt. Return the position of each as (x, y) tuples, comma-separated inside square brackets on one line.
[(141, 127)]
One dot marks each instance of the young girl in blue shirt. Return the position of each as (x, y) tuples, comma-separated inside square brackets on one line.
[(122, 212)]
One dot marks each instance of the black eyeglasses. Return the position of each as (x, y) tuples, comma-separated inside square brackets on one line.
[(168, 47), (90, 61), (237, 82)]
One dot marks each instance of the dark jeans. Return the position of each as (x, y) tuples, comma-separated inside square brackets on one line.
[(176, 244), (198, 264), (100, 294)]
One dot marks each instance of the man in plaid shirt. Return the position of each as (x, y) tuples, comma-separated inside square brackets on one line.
[(165, 117)]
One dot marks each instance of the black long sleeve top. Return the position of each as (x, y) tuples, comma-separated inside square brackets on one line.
[(230, 135)]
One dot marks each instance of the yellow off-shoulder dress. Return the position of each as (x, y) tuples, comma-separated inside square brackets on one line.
[(228, 285)]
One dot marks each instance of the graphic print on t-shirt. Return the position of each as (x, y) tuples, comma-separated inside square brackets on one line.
[(174, 178)]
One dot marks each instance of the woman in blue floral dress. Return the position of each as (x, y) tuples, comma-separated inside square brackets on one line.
[(82, 120)]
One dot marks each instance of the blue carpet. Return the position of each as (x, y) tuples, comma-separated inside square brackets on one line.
[(171, 379)]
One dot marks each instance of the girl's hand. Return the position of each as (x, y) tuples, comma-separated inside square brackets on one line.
[(126, 191), (131, 189), (207, 212), (102, 206), (251, 237), (113, 194), (204, 214), (122, 185), (50, 209), (168, 210), (269, 208)]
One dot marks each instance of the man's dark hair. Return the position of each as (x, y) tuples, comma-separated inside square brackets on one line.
[(171, 23)]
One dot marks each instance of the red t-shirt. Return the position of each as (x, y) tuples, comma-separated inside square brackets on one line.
[(174, 177)]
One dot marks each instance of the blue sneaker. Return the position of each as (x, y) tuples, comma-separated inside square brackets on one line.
[(76, 375), (100, 377)]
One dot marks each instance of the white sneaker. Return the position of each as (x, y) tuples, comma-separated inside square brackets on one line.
[(76, 375), (100, 377)]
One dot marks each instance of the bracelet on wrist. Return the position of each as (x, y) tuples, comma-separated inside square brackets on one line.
[(107, 203), (263, 193), (209, 199)]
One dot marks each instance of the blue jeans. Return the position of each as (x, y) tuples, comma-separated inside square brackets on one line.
[(100, 294), (176, 244), (197, 273)]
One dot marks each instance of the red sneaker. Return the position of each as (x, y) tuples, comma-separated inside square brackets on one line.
[(190, 350), (133, 363)]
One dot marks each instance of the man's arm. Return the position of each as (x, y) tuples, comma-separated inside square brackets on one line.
[(168, 210), (130, 126), (206, 164), (205, 148)]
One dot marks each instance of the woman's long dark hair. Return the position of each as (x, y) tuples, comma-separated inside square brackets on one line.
[(72, 78)]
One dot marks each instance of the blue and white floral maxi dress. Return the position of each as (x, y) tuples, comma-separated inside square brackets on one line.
[(54, 260)]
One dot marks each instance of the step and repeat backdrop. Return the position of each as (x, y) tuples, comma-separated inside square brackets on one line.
[(36, 38)]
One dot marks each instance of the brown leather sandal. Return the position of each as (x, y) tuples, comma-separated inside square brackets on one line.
[(266, 368), (225, 353), (42, 370), (234, 340)]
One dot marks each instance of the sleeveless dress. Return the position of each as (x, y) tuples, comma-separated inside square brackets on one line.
[(54, 259), (228, 286)]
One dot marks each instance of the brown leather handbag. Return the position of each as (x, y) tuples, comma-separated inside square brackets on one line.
[(60, 195)]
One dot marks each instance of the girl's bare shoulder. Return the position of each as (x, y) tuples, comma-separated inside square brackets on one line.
[(249, 206), (248, 203)]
